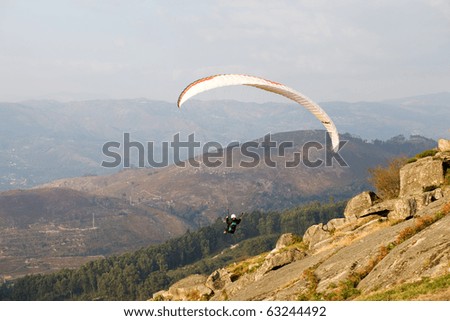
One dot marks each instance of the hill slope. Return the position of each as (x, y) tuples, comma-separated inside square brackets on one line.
[(51, 228), (203, 193), (379, 245)]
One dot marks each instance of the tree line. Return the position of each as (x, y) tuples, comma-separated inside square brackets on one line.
[(137, 275)]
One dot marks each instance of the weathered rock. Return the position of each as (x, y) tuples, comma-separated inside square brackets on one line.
[(315, 234), (359, 203), (191, 288), (382, 209), (404, 208), (286, 240), (444, 145), (426, 254), (421, 176), (280, 284), (429, 197), (220, 278), (336, 223), (277, 260), (355, 257), (395, 209)]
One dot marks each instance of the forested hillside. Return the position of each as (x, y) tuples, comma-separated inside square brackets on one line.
[(136, 275)]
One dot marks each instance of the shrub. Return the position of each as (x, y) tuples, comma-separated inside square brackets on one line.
[(411, 291), (421, 223), (426, 153), (446, 209), (386, 180)]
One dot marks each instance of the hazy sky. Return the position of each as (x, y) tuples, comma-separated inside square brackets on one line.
[(330, 50)]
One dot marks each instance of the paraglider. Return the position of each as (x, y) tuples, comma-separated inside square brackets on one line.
[(232, 222), (216, 81)]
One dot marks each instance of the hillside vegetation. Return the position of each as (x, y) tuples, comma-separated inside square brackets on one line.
[(136, 275)]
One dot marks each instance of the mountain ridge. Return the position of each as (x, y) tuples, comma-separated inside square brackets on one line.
[(47, 140)]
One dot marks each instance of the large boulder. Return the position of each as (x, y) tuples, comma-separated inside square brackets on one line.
[(336, 224), (382, 208), (394, 209), (359, 203), (316, 234), (276, 260), (191, 288), (444, 145), (404, 208), (319, 235), (286, 240), (421, 176), (220, 278)]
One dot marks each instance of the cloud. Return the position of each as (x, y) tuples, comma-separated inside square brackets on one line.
[(345, 49), (442, 7)]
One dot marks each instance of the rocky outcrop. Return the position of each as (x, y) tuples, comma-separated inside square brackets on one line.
[(279, 259), (281, 255), (286, 240), (316, 234), (227, 282), (421, 184), (379, 243), (220, 279), (359, 203), (395, 209), (424, 175), (444, 145), (192, 288), (426, 254)]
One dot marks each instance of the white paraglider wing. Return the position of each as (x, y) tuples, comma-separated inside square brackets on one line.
[(217, 81)]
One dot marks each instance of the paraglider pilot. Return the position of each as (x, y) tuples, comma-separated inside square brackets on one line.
[(232, 223)]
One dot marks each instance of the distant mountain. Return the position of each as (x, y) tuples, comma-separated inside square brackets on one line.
[(425, 115), (41, 141), (201, 194)]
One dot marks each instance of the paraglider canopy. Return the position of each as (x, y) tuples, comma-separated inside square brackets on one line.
[(216, 81)]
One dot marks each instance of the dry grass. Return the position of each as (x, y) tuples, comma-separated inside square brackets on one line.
[(446, 209), (310, 293), (436, 289), (342, 239), (247, 266), (420, 224), (299, 245)]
